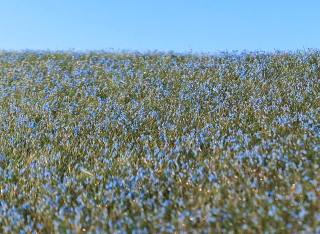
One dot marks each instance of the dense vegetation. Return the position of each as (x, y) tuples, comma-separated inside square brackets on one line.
[(159, 143)]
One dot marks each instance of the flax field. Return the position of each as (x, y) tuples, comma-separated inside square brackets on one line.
[(129, 142)]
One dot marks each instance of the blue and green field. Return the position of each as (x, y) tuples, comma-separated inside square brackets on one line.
[(128, 142)]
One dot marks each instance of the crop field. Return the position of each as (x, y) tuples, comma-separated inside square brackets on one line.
[(129, 142)]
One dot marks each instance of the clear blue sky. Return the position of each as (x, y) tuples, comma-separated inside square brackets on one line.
[(200, 25)]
